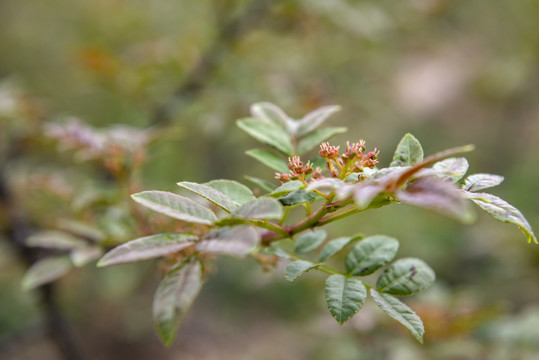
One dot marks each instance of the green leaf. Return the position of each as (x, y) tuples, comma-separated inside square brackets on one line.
[(46, 270), (297, 197), (502, 211), (263, 208), (239, 193), (261, 183), (438, 195), (268, 133), (400, 312), (315, 118), (53, 239), (344, 296), (83, 255), (234, 241), (174, 297), (277, 251), (408, 152), (336, 245), (270, 113), (214, 196), (269, 159), (452, 169), (406, 276), (297, 268), (370, 254), (478, 182), (316, 137), (287, 188), (175, 206), (148, 247), (309, 240)]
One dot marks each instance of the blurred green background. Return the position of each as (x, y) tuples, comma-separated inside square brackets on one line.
[(451, 72)]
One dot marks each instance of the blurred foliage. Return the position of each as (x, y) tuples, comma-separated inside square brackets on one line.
[(451, 72)]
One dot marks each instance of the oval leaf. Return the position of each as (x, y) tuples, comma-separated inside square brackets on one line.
[(263, 208), (452, 169), (502, 211), (309, 240), (478, 182), (400, 312), (269, 159), (239, 193), (297, 268), (287, 188), (408, 152), (148, 247), (406, 276), (270, 113), (370, 254), (54, 239), (335, 245), (45, 271), (268, 133), (344, 296), (315, 138), (233, 241), (174, 297), (315, 118), (210, 194), (297, 197), (175, 206)]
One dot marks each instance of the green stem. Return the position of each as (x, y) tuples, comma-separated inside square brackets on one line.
[(338, 215), (270, 226)]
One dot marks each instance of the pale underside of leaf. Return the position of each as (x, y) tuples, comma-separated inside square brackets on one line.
[(214, 196), (54, 239), (234, 241), (46, 270), (262, 208), (344, 297), (239, 193), (400, 312), (175, 206), (478, 182), (83, 255), (452, 169), (287, 188)]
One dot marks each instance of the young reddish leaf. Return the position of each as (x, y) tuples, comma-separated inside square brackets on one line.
[(210, 194), (344, 296), (46, 270), (406, 276), (233, 241), (297, 268), (400, 312), (148, 247), (174, 297), (175, 206), (437, 195)]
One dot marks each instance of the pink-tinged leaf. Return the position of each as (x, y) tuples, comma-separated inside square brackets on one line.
[(365, 192), (174, 297), (148, 247), (234, 241), (478, 182), (452, 169), (437, 195), (175, 206)]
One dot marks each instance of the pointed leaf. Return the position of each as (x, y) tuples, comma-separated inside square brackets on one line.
[(315, 138), (214, 196), (83, 255), (261, 183), (336, 245), (270, 113), (297, 197), (502, 211), (452, 169), (263, 208), (287, 188), (408, 152), (269, 159), (239, 193), (315, 118), (174, 297), (406, 276), (437, 195), (267, 133), (175, 206), (309, 240), (400, 312), (297, 268), (148, 247), (344, 296), (46, 270), (234, 241), (478, 182), (370, 254), (53, 239)]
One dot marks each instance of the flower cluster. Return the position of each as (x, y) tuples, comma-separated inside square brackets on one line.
[(354, 160), (298, 170)]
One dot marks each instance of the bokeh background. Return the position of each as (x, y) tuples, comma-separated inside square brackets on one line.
[(451, 72)]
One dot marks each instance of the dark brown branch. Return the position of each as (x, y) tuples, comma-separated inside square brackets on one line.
[(226, 38)]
